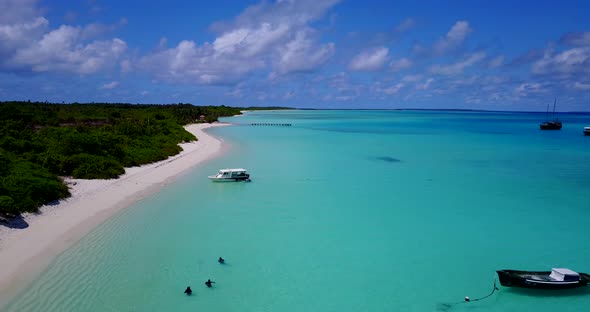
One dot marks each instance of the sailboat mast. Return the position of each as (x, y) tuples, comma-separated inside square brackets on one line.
[(554, 103)]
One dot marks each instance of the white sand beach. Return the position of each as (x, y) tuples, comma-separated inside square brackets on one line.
[(24, 253)]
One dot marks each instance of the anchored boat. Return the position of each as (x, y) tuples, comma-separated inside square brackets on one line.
[(557, 278), (586, 130), (551, 124), (231, 175)]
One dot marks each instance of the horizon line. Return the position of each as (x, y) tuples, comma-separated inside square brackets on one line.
[(299, 108)]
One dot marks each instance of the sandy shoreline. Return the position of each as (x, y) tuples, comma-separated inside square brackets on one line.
[(24, 253)]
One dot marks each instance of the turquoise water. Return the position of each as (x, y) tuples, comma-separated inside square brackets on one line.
[(347, 211)]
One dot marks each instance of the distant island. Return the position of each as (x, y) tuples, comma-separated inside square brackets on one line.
[(41, 142)]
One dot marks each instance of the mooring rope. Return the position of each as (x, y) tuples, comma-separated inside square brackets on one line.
[(448, 306), (478, 299)]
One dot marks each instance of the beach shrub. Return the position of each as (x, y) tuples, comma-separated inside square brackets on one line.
[(53, 162), (7, 206), (86, 166), (29, 186), (5, 163)]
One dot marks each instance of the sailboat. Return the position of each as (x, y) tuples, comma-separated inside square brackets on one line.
[(551, 124)]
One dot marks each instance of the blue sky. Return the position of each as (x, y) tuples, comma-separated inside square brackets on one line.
[(496, 55)]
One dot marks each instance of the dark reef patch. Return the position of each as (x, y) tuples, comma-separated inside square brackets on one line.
[(388, 159)]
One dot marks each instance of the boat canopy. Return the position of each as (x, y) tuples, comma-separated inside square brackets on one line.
[(232, 170), (564, 275)]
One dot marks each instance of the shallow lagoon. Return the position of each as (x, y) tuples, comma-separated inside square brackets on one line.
[(347, 211)]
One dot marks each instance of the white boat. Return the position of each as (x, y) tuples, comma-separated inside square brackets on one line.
[(586, 130), (231, 175)]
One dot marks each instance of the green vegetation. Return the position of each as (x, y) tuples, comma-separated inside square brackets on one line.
[(39, 142)]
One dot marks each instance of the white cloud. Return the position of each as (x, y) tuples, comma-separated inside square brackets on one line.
[(401, 64), (405, 25), (188, 62), (300, 54), (300, 12), (425, 85), (163, 43), (110, 85), (230, 40), (370, 60), (577, 39), (391, 90), (581, 86), (342, 83), (126, 66), (237, 92), (458, 67), (62, 50), (27, 43), (276, 36), (453, 39), (18, 11), (250, 42), (496, 62), (288, 95), (576, 60), (466, 81), (412, 78), (527, 88), (96, 29), (14, 36)]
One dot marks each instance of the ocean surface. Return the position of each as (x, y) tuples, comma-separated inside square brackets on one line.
[(347, 211)]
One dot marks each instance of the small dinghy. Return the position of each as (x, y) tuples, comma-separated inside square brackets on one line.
[(559, 278)]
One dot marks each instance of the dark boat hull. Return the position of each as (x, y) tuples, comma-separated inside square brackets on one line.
[(245, 178), (237, 179), (552, 125), (526, 279), (587, 132), (240, 179)]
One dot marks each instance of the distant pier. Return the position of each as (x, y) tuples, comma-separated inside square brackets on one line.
[(271, 124)]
